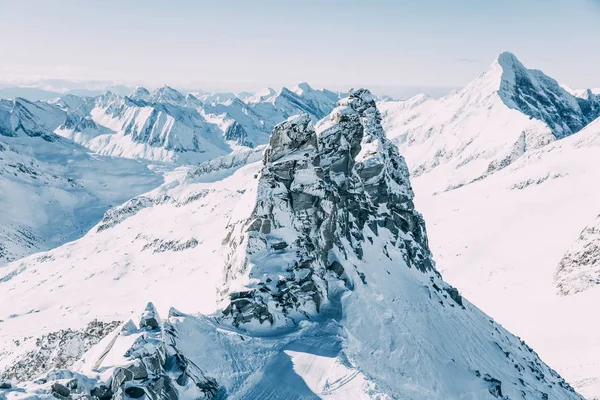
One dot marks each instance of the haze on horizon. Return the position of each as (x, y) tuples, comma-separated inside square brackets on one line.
[(238, 45)]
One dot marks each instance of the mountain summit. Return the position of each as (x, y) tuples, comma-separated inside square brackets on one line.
[(541, 97), (484, 127)]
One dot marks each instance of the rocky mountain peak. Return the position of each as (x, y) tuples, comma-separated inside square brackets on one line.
[(301, 88), (539, 96), (167, 94), (508, 61), (140, 93), (320, 195)]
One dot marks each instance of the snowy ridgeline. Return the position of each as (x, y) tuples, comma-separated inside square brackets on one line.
[(504, 172), (307, 274)]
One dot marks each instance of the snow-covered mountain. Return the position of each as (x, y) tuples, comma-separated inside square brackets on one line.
[(167, 126), (53, 190), (305, 275), (508, 193), (487, 125)]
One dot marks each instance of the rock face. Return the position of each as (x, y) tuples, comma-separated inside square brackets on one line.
[(320, 196), (56, 350), (542, 98), (579, 269), (152, 366)]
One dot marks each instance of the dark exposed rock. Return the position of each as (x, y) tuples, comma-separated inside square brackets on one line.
[(102, 392), (138, 369), (5, 384), (337, 268), (150, 318), (454, 295), (72, 384), (135, 392), (119, 377), (326, 188), (60, 391), (279, 246), (495, 386)]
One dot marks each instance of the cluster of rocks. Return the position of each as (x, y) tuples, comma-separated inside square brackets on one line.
[(59, 349), (579, 269), (162, 245), (320, 198), (155, 369)]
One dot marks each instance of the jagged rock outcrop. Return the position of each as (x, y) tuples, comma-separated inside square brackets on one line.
[(329, 287), (151, 367), (320, 196), (579, 269), (59, 349)]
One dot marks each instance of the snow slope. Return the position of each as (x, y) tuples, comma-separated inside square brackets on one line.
[(306, 275), (487, 125), (513, 244)]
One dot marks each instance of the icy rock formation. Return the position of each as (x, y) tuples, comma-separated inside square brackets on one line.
[(579, 269), (56, 350), (319, 197), (151, 367)]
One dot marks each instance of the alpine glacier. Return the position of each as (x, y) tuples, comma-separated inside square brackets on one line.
[(306, 275)]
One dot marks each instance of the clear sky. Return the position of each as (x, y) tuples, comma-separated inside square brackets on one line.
[(245, 44)]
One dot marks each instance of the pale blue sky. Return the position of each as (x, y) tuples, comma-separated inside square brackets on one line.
[(245, 44)]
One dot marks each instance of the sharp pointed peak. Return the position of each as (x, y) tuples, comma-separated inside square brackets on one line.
[(508, 60), (303, 86)]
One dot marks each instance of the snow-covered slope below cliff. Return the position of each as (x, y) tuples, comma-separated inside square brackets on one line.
[(513, 244), (306, 275)]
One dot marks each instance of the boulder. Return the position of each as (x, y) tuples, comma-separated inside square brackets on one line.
[(60, 391), (150, 318), (135, 392)]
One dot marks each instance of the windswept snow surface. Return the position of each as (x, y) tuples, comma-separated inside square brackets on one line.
[(504, 171), (501, 240), (389, 326)]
